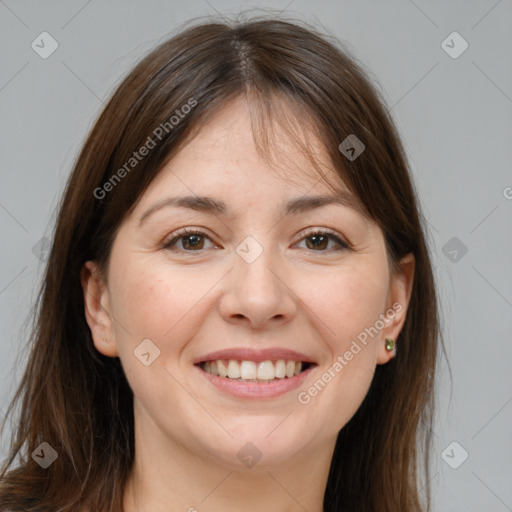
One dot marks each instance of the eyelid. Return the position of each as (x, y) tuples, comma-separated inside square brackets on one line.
[(189, 230), (342, 242), (310, 231)]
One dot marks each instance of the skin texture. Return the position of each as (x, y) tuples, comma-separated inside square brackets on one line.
[(189, 303)]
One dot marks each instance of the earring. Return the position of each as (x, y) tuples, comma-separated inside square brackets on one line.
[(390, 344)]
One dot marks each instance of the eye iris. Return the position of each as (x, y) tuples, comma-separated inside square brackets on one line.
[(196, 240), (319, 241)]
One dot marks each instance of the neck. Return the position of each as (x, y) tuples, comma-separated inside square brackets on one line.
[(169, 476)]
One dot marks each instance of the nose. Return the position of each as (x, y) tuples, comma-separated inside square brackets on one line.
[(258, 294)]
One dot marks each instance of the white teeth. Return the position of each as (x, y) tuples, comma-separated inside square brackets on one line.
[(280, 369), (266, 370), (213, 368), (222, 368), (251, 371), (248, 370), (233, 369)]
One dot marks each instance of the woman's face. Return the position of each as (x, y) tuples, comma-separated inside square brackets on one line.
[(263, 273)]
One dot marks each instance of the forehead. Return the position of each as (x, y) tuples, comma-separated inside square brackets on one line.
[(238, 149)]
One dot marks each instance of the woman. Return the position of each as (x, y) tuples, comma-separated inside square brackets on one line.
[(238, 310)]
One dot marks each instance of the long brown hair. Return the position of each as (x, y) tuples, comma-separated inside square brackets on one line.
[(79, 402)]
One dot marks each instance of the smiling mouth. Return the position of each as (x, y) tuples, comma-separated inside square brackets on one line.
[(256, 372)]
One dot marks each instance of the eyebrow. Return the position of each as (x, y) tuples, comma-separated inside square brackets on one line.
[(213, 206)]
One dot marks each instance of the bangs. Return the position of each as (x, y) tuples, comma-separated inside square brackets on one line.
[(286, 134)]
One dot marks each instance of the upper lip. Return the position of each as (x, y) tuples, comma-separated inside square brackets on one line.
[(250, 354)]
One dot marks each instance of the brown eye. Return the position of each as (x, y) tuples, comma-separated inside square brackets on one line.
[(317, 242), (187, 240), (192, 242)]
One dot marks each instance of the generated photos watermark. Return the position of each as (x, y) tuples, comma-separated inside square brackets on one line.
[(151, 142), (305, 397)]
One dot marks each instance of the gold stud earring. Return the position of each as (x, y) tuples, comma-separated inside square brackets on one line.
[(390, 344)]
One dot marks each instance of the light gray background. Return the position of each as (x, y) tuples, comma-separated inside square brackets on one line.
[(454, 116)]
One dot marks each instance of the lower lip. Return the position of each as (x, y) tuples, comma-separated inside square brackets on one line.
[(240, 389)]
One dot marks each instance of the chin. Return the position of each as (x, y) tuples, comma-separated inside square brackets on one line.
[(256, 441)]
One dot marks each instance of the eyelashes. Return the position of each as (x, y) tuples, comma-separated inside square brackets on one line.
[(186, 233), (193, 240), (321, 235)]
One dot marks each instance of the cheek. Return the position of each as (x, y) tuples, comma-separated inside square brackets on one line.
[(345, 302), (158, 301)]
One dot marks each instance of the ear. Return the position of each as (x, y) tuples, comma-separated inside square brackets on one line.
[(400, 289), (97, 309)]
